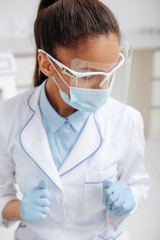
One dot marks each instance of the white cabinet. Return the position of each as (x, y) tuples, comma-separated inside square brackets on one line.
[(7, 76), (155, 97), (155, 93), (156, 65), (24, 75)]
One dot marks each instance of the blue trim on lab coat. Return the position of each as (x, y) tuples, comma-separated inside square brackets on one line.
[(90, 154), (111, 238), (36, 162), (23, 146)]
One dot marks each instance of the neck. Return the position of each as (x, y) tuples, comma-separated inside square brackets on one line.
[(56, 101)]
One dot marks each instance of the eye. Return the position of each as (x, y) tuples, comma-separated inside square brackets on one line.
[(88, 77), (84, 78)]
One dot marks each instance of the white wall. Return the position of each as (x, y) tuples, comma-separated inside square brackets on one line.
[(19, 16), (135, 14), (131, 14), (19, 8)]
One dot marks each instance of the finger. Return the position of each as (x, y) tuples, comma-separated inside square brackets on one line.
[(110, 190), (44, 202), (125, 205), (109, 207), (107, 183), (40, 209), (113, 198), (108, 195), (41, 216), (104, 199), (42, 184), (44, 210), (119, 203), (120, 210), (44, 193)]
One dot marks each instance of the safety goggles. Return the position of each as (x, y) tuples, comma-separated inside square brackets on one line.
[(86, 74)]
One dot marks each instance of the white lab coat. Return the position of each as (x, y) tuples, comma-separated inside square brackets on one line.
[(111, 146)]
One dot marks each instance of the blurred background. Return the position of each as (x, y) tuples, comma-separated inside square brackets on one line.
[(140, 25)]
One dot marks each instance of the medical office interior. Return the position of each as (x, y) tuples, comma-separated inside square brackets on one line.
[(140, 26)]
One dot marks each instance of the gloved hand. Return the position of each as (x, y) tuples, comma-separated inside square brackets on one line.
[(36, 203), (118, 198)]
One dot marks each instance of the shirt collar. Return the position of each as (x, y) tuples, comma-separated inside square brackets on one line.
[(78, 119), (54, 120)]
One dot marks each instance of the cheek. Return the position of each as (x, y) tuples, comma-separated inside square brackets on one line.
[(62, 80)]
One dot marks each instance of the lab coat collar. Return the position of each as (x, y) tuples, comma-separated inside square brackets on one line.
[(78, 119), (87, 144), (34, 142)]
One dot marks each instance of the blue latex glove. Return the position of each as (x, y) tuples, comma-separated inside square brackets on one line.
[(36, 203), (118, 198)]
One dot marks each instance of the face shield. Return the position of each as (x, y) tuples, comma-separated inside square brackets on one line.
[(122, 76), (90, 83), (91, 75)]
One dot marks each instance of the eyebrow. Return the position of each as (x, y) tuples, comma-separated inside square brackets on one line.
[(97, 70), (92, 70)]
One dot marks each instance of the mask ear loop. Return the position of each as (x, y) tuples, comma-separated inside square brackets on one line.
[(56, 83), (58, 74)]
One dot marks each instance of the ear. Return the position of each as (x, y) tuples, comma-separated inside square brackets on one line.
[(44, 65)]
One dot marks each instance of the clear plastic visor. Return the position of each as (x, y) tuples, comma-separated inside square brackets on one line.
[(85, 74), (92, 75)]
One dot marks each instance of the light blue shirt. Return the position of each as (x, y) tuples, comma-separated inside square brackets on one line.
[(62, 132)]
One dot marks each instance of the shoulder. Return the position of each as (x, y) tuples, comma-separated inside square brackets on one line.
[(15, 103), (120, 115), (13, 110)]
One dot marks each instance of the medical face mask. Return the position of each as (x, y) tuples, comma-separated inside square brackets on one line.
[(84, 99), (89, 90)]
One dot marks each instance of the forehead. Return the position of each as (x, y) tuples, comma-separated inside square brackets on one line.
[(100, 49)]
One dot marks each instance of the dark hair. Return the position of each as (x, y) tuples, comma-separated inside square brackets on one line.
[(65, 23)]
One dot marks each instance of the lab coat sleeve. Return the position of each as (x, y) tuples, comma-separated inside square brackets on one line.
[(7, 181), (131, 169)]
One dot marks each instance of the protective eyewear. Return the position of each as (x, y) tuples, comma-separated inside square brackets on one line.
[(88, 79)]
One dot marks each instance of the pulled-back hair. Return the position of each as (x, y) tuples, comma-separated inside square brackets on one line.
[(69, 23)]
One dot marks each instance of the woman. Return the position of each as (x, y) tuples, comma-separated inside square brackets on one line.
[(76, 153)]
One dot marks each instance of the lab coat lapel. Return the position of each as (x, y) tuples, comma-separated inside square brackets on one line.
[(87, 144), (35, 143)]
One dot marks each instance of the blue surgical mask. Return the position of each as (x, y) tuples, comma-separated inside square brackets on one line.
[(84, 99)]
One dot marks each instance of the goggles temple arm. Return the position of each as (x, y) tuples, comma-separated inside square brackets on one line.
[(104, 80), (113, 70), (64, 71), (77, 74)]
